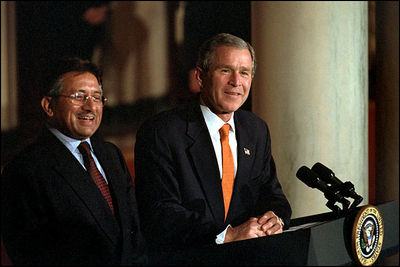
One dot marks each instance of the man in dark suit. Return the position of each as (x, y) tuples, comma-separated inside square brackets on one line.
[(178, 160), (53, 213)]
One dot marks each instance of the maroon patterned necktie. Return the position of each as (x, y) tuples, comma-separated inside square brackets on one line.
[(90, 165)]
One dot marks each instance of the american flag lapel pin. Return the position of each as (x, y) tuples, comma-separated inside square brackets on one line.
[(246, 151)]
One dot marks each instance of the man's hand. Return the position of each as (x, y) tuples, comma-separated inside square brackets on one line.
[(266, 224), (270, 223), (247, 230)]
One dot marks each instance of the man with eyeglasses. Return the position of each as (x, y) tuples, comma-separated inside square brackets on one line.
[(53, 213)]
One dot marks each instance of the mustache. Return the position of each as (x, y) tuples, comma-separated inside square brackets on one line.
[(88, 113)]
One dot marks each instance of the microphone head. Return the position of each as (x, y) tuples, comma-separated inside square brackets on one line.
[(322, 170), (310, 178), (303, 174), (326, 174)]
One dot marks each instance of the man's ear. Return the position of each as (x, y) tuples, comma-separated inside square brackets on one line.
[(47, 105), (199, 76)]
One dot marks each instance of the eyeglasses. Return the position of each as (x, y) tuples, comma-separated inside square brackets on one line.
[(80, 98)]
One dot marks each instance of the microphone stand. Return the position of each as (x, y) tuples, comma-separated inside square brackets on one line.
[(346, 190)]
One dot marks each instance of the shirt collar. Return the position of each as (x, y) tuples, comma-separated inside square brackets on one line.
[(71, 143), (214, 123)]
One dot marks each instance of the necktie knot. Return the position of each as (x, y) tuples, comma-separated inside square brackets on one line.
[(84, 148), (224, 131)]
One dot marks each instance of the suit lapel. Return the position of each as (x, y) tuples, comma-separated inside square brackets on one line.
[(205, 162), (78, 179)]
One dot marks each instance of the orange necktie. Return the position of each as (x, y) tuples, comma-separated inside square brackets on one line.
[(228, 168), (91, 168)]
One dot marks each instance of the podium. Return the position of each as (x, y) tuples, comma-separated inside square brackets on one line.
[(317, 240)]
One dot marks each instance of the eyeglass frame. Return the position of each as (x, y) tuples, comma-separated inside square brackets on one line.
[(74, 96)]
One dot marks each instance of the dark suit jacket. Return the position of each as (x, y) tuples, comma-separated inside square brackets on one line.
[(178, 185), (53, 213)]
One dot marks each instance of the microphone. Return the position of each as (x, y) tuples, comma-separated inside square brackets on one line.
[(346, 189), (326, 174), (312, 179)]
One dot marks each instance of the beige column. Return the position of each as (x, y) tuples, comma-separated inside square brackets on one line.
[(9, 107), (311, 87)]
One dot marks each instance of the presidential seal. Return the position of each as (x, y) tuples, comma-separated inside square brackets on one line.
[(367, 235)]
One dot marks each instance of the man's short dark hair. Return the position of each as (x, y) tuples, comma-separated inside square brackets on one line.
[(53, 76)]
